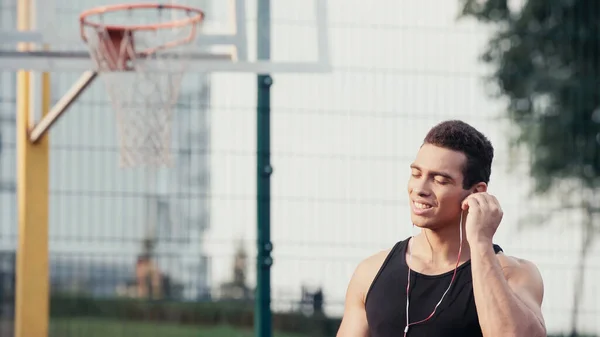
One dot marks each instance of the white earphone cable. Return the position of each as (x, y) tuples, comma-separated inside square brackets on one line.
[(445, 292)]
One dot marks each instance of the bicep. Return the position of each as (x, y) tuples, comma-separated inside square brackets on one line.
[(354, 322), (528, 287)]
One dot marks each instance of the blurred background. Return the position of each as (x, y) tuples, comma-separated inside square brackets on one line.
[(524, 72)]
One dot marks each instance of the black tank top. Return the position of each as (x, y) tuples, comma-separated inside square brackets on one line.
[(385, 304)]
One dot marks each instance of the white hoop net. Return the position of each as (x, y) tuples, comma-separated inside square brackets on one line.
[(143, 87)]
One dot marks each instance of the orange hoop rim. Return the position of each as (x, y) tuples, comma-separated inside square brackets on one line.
[(84, 16)]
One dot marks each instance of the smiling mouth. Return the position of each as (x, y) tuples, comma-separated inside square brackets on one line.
[(419, 205)]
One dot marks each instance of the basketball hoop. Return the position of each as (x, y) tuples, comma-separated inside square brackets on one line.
[(143, 93)]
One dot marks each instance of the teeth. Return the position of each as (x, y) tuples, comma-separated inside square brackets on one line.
[(421, 206)]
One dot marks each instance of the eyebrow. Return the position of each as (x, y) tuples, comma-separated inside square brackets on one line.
[(435, 173)]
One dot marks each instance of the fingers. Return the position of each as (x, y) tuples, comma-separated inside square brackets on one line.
[(484, 201), (471, 202)]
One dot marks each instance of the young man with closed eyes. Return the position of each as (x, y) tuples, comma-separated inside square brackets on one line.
[(450, 279)]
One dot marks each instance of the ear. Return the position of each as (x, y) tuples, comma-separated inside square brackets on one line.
[(480, 187)]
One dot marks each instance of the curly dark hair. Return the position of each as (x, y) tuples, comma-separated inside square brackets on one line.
[(459, 136)]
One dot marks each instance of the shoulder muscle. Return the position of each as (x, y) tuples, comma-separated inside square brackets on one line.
[(354, 322)]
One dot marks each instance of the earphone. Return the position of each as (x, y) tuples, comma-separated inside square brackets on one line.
[(410, 242)]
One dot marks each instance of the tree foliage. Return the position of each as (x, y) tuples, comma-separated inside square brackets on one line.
[(546, 60), (547, 63)]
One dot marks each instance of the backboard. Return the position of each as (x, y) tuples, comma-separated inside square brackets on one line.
[(299, 36)]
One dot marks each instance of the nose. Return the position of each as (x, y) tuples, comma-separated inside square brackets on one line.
[(421, 192), (420, 187)]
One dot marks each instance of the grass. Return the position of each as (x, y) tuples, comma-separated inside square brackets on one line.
[(93, 327)]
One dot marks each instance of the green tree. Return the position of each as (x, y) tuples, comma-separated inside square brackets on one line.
[(545, 56)]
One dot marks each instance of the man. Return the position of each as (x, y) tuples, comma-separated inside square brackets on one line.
[(451, 277)]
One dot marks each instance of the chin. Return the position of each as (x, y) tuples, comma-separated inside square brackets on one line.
[(421, 222), (424, 222)]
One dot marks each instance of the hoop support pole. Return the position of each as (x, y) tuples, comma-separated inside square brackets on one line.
[(62, 105), (32, 275)]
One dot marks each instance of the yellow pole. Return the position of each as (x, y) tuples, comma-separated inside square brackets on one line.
[(32, 274)]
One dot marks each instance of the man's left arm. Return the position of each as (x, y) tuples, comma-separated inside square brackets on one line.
[(508, 296)]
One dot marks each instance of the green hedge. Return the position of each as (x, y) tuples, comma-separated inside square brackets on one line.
[(238, 314), (235, 313)]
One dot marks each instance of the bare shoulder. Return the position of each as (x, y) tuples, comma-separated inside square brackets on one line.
[(355, 322), (522, 274), (366, 271), (513, 266)]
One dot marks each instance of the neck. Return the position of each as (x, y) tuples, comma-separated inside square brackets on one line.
[(441, 246)]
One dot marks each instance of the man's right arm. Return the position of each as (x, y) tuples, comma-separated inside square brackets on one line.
[(354, 322)]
